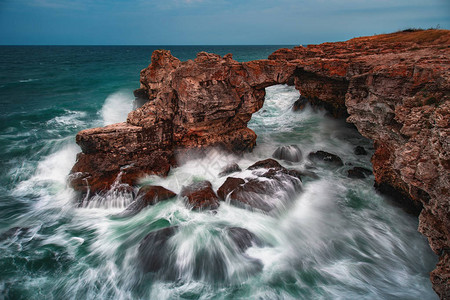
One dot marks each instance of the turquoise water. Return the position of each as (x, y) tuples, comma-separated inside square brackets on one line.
[(338, 239)]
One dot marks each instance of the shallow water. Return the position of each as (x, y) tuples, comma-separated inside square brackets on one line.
[(337, 239)]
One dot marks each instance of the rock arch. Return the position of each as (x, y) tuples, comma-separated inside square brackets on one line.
[(396, 94)]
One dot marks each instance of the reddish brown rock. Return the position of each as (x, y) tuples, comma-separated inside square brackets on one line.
[(200, 196), (231, 168), (266, 164), (152, 194), (228, 186), (395, 88), (147, 195)]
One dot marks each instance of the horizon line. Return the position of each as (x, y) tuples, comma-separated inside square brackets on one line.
[(125, 45)]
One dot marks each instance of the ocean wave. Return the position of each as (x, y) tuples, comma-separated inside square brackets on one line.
[(27, 80), (116, 107), (70, 118)]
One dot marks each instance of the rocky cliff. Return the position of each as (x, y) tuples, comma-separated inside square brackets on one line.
[(395, 88)]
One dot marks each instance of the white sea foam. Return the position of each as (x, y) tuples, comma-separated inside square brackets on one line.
[(116, 107), (68, 119)]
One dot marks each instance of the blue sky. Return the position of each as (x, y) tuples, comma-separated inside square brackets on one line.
[(210, 22)]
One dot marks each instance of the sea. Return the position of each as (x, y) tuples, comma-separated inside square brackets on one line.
[(336, 239)]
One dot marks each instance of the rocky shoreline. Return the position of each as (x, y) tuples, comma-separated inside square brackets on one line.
[(394, 88)]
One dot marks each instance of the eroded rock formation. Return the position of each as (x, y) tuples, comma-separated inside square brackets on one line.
[(395, 89)]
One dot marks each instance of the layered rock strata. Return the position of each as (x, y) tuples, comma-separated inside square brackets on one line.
[(395, 88)]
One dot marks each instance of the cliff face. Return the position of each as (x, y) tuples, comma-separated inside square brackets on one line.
[(395, 88)]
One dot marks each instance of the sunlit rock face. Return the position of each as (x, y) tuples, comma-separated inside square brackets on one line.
[(395, 89)]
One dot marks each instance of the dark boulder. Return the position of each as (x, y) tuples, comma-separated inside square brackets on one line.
[(13, 232), (263, 195), (200, 196), (265, 164), (231, 168), (152, 194), (147, 195), (289, 153), (270, 190), (153, 252), (358, 173), (299, 174), (359, 150), (322, 156), (229, 185), (243, 238)]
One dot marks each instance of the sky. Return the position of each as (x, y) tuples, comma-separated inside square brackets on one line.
[(210, 22)]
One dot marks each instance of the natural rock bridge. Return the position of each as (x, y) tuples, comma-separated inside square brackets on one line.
[(395, 89)]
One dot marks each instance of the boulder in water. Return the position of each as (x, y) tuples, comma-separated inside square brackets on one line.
[(266, 164), (243, 238), (358, 173), (289, 153), (153, 249), (359, 150), (231, 168), (200, 196), (271, 189), (323, 156), (15, 231), (147, 195), (229, 185)]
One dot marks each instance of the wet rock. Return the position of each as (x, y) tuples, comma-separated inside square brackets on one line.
[(271, 190), (289, 153), (229, 185), (147, 195), (358, 173), (15, 231), (323, 156), (153, 251), (152, 194), (231, 168), (243, 238), (359, 150), (301, 173), (300, 104), (200, 196), (440, 277), (266, 164)]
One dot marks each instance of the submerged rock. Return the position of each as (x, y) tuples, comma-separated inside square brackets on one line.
[(243, 238), (272, 188), (14, 231), (231, 168), (323, 156), (208, 262), (147, 195), (359, 150), (289, 153), (200, 196), (358, 172), (153, 251)]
